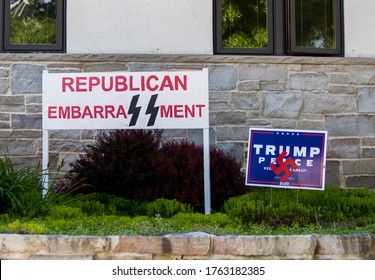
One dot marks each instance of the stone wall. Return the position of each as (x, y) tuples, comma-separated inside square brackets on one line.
[(195, 245), (333, 94)]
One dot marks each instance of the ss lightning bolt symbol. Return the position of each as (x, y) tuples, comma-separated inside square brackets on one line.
[(134, 110), (152, 110)]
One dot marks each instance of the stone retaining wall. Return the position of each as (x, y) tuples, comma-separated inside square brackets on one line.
[(334, 94), (187, 246)]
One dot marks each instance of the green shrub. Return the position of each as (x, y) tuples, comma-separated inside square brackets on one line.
[(20, 190), (212, 220), (263, 211), (167, 208), (28, 227), (287, 207), (113, 205), (94, 208), (65, 212)]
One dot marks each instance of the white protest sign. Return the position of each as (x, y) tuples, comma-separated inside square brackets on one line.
[(131, 100), (128, 100)]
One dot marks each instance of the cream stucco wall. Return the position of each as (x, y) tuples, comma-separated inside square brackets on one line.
[(139, 26), (179, 27), (359, 28)]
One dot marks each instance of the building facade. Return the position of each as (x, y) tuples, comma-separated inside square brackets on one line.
[(322, 86)]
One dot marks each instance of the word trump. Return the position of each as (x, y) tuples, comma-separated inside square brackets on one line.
[(302, 152), (297, 151)]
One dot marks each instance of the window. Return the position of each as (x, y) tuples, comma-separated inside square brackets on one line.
[(32, 25), (278, 27)]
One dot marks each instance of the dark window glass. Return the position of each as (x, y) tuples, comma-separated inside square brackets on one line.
[(278, 27), (33, 25), (315, 26), (244, 25), (33, 22)]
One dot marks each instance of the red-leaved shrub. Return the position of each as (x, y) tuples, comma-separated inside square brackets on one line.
[(180, 173), (137, 164), (119, 162)]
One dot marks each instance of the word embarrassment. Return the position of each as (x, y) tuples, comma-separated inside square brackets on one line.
[(119, 111), (286, 158), (118, 100)]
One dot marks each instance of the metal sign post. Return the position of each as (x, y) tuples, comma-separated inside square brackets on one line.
[(45, 161), (206, 166)]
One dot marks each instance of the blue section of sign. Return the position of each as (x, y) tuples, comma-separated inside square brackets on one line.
[(286, 158)]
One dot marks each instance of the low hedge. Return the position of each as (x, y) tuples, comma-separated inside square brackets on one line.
[(262, 211)]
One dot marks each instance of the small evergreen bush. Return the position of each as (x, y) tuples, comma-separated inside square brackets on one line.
[(167, 208), (28, 227), (65, 212), (115, 205)]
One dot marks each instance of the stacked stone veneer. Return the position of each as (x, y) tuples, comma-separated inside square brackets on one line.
[(187, 246), (333, 94)]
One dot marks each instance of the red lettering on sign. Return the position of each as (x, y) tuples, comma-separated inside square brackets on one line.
[(166, 83), (93, 82), (181, 111), (81, 84), (178, 82), (132, 88), (148, 83), (98, 112), (52, 112), (189, 111), (121, 112), (178, 111), (109, 88), (67, 82), (200, 107), (109, 111), (64, 113), (76, 112), (166, 111), (86, 112), (120, 83)]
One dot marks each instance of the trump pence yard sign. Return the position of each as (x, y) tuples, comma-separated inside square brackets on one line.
[(287, 158)]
